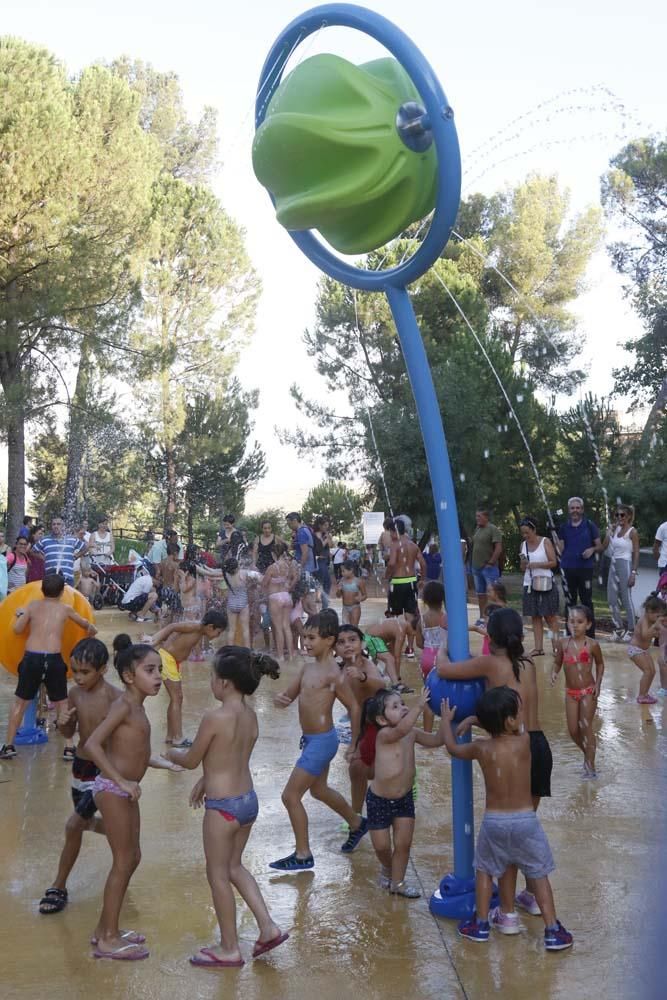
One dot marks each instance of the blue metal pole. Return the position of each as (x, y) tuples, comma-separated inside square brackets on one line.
[(444, 499)]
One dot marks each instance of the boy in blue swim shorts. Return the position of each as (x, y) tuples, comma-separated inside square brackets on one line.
[(317, 687)]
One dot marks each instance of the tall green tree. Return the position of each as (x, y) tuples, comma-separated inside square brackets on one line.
[(337, 501)]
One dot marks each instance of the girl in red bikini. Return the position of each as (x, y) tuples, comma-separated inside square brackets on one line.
[(577, 653)]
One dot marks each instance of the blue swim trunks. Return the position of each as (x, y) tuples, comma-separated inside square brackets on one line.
[(319, 749), (242, 808)]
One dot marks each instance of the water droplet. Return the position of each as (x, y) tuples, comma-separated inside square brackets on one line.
[(462, 477), (499, 428), (443, 505), (618, 500), (505, 427), (544, 350), (486, 453), (519, 398)]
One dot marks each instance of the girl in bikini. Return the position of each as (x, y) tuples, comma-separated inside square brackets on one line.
[(353, 592), (277, 583), (238, 610), (224, 744), (646, 629), (577, 653)]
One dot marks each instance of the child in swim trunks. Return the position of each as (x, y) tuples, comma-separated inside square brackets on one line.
[(353, 591), (511, 835), (121, 748), (577, 653), (175, 643), (390, 803), (646, 629), (319, 683), (431, 635), (223, 745)]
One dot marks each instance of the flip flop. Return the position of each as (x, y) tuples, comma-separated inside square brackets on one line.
[(537, 652), (128, 953), (213, 962), (261, 947), (130, 936)]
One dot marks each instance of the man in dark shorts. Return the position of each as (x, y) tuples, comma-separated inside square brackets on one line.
[(404, 556), (42, 661)]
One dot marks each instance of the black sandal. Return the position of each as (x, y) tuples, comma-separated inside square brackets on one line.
[(53, 901)]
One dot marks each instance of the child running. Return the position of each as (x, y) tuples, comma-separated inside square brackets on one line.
[(238, 609), (507, 665), (319, 683), (353, 592), (42, 661), (431, 635), (646, 629), (174, 643), (121, 748), (511, 835), (365, 680), (577, 653), (224, 744), (390, 801)]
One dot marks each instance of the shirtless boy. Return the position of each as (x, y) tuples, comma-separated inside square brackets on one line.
[(319, 683), (404, 556), (42, 661)]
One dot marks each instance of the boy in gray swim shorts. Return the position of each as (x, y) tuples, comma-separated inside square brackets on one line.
[(511, 835)]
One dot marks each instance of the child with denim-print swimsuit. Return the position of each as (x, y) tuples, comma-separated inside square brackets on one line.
[(223, 745)]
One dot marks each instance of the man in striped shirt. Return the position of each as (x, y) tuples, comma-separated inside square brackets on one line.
[(59, 551)]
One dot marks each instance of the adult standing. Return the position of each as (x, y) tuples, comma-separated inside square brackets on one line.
[(24, 530), (578, 541), (304, 543), (264, 546), (59, 550), (622, 543), (323, 543), (230, 540), (540, 595), (339, 557), (18, 565), (404, 557), (4, 548), (487, 546), (102, 544), (433, 561), (36, 568), (660, 548)]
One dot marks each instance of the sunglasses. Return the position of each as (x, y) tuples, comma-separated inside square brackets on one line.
[(621, 515)]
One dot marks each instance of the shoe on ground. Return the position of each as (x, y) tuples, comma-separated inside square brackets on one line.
[(355, 836), (557, 938), (474, 929), (618, 635), (410, 655), (182, 744), (384, 879), (647, 699), (589, 773), (293, 864), (526, 901), (506, 923), (7, 751), (69, 753), (404, 889)]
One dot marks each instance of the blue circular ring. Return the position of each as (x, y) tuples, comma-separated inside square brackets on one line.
[(442, 124)]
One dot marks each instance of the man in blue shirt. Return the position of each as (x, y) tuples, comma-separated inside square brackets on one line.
[(578, 541), (59, 551), (303, 542)]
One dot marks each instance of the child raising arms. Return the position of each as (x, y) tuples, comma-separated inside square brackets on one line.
[(578, 653), (224, 744), (511, 835), (121, 748), (389, 801), (317, 686), (431, 635), (646, 629)]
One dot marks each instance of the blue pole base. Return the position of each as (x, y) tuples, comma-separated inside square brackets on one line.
[(30, 734), (455, 898)]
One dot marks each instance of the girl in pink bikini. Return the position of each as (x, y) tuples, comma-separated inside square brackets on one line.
[(577, 653), (277, 583)]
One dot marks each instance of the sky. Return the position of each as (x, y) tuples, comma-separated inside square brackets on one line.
[(577, 79)]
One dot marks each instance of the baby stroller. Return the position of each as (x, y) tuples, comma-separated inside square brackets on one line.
[(114, 581)]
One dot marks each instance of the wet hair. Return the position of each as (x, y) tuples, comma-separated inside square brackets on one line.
[(583, 610), (500, 589), (496, 706), (230, 566), (434, 594), (388, 524), (172, 549), (325, 623), (218, 619), (400, 526), (53, 585), (505, 630), (349, 565), (188, 566), (244, 668), (373, 708), (654, 603), (360, 636), (280, 548), (127, 654), (92, 652)]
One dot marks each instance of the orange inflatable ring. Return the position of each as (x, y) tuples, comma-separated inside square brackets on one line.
[(12, 646)]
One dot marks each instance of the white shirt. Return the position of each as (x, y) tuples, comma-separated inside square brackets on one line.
[(142, 585), (661, 536)]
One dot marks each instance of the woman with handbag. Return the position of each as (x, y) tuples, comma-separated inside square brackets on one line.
[(540, 594)]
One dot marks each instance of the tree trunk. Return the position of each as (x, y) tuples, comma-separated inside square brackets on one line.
[(170, 505), (15, 457), (651, 425), (76, 438), (191, 536)]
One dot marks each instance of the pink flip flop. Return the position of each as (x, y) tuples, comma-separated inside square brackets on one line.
[(130, 936), (261, 947), (213, 962), (128, 953)]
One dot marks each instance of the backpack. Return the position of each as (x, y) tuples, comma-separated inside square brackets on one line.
[(318, 545)]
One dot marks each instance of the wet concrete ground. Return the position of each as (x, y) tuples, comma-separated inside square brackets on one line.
[(347, 936)]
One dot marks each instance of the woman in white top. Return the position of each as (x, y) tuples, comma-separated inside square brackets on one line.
[(102, 544), (540, 594), (622, 543)]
